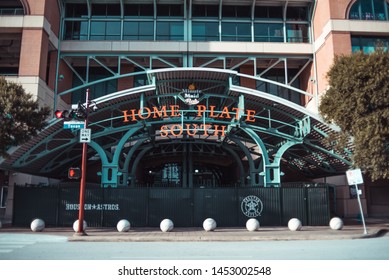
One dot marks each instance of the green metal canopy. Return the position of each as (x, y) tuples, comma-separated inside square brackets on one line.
[(194, 116)]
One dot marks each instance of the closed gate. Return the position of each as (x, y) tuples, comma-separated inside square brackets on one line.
[(230, 207)]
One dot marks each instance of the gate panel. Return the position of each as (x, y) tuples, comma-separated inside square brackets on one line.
[(126, 203), (294, 205), (269, 200), (31, 203), (69, 206), (318, 206), (174, 204), (219, 204)]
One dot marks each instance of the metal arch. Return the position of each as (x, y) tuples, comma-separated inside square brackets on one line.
[(248, 156), (105, 101), (135, 164), (122, 141)]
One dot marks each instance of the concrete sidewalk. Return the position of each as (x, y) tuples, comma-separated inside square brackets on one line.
[(351, 230)]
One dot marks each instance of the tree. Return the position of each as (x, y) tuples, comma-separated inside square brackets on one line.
[(358, 102), (20, 116)]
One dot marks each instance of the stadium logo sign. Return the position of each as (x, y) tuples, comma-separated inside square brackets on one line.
[(251, 206)]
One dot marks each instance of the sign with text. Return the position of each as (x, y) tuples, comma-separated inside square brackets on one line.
[(85, 135), (73, 124), (354, 177)]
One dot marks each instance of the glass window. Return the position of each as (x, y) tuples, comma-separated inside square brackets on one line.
[(137, 10), (113, 30), (369, 10), (97, 30), (170, 11), (76, 30), (170, 31), (232, 31), (76, 10), (243, 32), (146, 10), (379, 9), (297, 33), (268, 32), (199, 11), (146, 30), (143, 30), (368, 44), (354, 12), (131, 10), (205, 31), (243, 12), (99, 10), (264, 12), (209, 11), (261, 12), (228, 12), (228, 31), (297, 13)]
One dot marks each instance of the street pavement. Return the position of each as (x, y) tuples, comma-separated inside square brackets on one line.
[(352, 229)]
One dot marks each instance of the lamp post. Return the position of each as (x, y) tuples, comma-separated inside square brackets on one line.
[(80, 230)]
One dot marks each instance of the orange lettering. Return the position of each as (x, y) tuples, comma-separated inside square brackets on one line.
[(223, 130), (173, 128), (161, 113), (206, 127), (188, 129), (211, 114), (140, 113), (200, 110), (132, 115), (250, 116), (175, 112), (164, 131), (226, 113)]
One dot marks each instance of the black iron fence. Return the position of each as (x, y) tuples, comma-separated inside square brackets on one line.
[(147, 207)]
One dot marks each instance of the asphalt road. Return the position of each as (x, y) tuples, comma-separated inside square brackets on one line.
[(51, 247)]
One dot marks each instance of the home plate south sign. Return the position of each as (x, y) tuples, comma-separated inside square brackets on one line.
[(251, 206)]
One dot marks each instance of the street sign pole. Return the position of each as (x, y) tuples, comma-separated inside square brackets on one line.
[(360, 209), (354, 177), (80, 230)]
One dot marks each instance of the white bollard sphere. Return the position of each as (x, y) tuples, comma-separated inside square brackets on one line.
[(336, 223), (252, 224), (294, 224), (37, 225), (123, 225), (166, 225), (75, 225), (209, 224)]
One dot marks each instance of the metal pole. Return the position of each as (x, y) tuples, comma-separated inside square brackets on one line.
[(360, 209), (80, 230)]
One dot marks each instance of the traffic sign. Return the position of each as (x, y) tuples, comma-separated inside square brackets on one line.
[(354, 177), (85, 135), (73, 124)]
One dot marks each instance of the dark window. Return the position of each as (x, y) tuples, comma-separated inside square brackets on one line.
[(210, 11), (76, 10), (170, 11), (138, 10), (228, 11)]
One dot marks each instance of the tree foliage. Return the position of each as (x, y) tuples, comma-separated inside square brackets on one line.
[(20, 116), (358, 102)]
